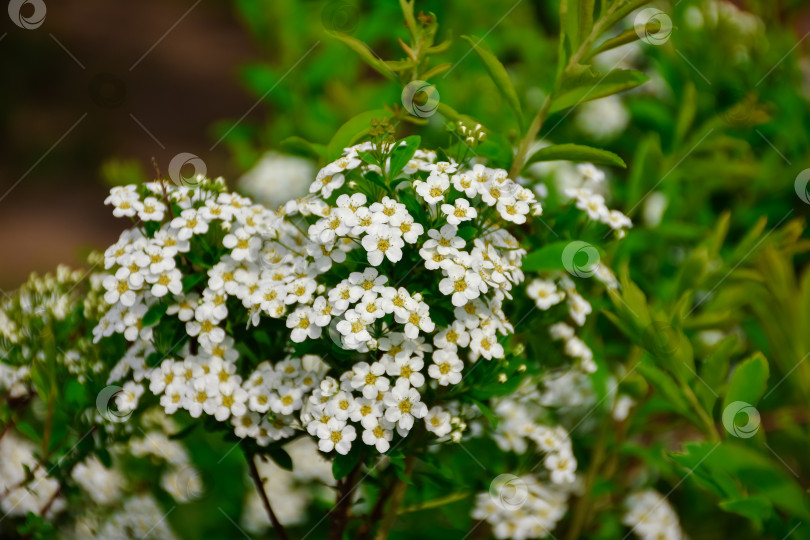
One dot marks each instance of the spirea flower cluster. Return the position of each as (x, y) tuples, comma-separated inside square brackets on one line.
[(352, 313), (44, 321)]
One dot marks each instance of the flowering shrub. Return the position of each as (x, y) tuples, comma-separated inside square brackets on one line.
[(435, 328), (279, 322)]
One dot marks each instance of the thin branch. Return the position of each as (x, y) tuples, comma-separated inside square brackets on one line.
[(254, 473), (397, 495), (340, 513)]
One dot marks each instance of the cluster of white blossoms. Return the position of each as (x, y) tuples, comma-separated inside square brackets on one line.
[(651, 517), (401, 277), (25, 483), (593, 204), (519, 425), (522, 507), (30, 322), (138, 516)]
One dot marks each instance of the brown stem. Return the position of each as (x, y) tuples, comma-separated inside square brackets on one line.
[(397, 495), (50, 502), (376, 512), (254, 473), (528, 139), (46, 437), (340, 513)]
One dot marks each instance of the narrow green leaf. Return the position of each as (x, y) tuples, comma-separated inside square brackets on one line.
[(748, 381), (366, 54), (402, 154), (587, 86), (576, 152), (628, 36), (498, 74)]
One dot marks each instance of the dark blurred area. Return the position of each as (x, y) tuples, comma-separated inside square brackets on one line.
[(101, 79)]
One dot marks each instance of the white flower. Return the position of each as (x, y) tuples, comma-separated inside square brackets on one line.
[(118, 288), (326, 183), (485, 344), (383, 242), (594, 206), (336, 435), (562, 466), (127, 399), (353, 328), (369, 379), (405, 224), (188, 224), (462, 284), (367, 412), (123, 198), (369, 280), (150, 209), (513, 210), (200, 398), (446, 367), (544, 293), (444, 240), (452, 337), (407, 368), (246, 425), (403, 404), (459, 211), (590, 172), (165, 282), (417, 319), (230, 401), (432, 190), (389, 210), (578, 307), (244, 246), (437, 421), (341, 406), (617, 220), (378, 437), (286, 400)]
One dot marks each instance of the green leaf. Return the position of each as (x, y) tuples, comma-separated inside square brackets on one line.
[(628, 36), (154, 314), (486, 411), (74, 392), (280, 457), (28, 430), (714, 370), (666, 385), (301, 146), (748, 381), (366, 54), (191, 280), (586, 86), (467, 233), (344, 464), (349, 132), (575, 152), (548, 257), (498, 75), (402, 154)]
